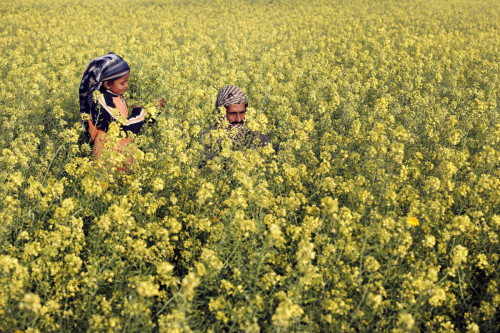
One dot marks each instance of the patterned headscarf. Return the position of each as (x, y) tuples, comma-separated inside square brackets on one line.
[(104, 68), (230, 95)]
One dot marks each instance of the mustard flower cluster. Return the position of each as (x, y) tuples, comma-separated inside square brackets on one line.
[(376, 207)]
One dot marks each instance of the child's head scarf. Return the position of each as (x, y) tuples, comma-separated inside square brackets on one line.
[(104, 68), (230, 95)]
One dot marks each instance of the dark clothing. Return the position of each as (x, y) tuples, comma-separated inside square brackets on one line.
[(243, 139), (101, 113), (247, 138), (107, 109)]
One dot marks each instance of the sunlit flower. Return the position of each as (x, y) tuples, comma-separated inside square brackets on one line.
[(413, 221)]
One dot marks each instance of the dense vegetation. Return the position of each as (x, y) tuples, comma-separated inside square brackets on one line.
[(377, 207)]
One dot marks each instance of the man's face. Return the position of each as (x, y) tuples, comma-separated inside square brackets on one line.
[(235, 114)]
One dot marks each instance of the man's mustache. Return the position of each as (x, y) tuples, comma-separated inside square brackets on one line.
[(237, 123)]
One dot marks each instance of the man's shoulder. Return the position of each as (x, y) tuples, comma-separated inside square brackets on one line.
[(256, 138), (245, 136), (263, 139)]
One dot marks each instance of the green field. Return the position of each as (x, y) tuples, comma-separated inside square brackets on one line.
[(376, 208)]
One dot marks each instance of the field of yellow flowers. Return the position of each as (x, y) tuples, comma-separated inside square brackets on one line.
[(377, 208)]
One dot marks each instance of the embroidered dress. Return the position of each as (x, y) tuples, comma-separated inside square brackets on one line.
[(108, 108)]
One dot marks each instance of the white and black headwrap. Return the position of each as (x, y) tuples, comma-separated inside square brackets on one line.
[(230, 95), (104, 68)]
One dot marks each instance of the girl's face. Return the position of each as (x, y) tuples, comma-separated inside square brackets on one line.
[(118, 86)]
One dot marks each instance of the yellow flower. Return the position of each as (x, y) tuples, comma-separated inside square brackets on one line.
[(459, 255), (406, 321), (147, 289), (438, 296), (413, 221), (286, 313), (31, 302)]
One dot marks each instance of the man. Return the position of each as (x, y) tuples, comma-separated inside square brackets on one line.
[(236, 103)]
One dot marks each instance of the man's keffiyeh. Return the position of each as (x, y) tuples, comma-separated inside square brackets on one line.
[(230, 95), (104, 68)]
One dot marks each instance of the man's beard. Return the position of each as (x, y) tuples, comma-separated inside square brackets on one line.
[(236, 124)]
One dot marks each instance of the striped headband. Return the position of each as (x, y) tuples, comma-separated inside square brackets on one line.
[(104, 68), (230, 95)]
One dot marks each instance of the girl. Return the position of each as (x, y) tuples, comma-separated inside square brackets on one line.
[(108, 74)]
